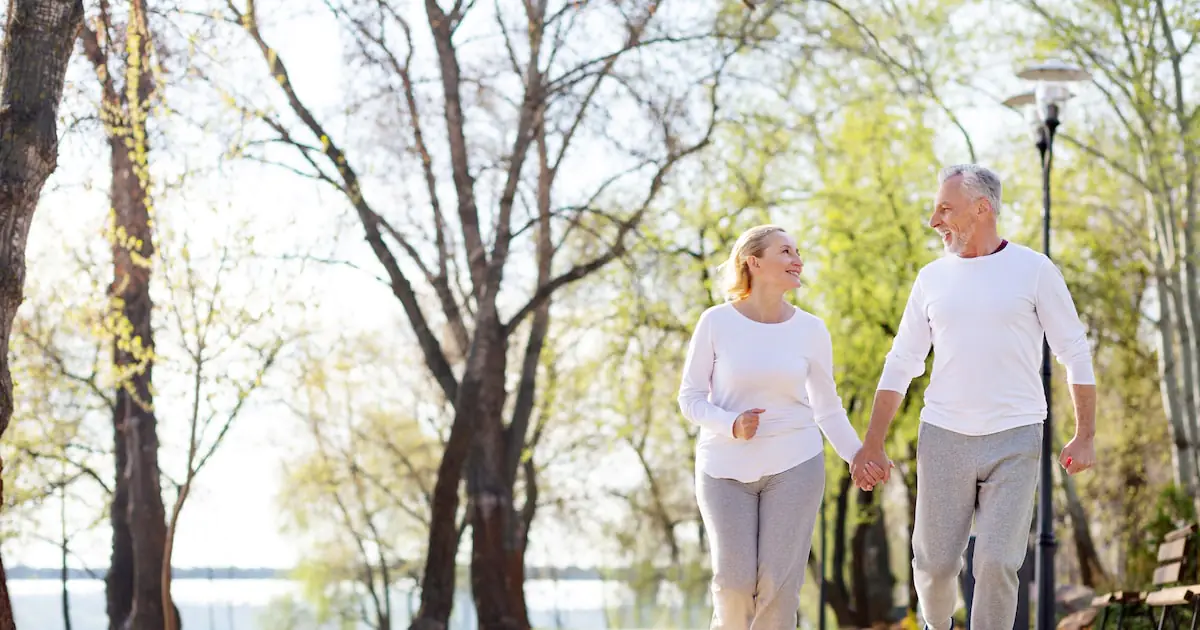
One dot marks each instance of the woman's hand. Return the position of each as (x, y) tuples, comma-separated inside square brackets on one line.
[(746, 424)]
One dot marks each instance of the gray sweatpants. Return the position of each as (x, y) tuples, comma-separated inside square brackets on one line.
[(761, 533), (993, 479)]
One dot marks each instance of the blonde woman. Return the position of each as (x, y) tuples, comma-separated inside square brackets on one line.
[(759, 381)]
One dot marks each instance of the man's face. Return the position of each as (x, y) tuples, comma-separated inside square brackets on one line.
[(954, 215)]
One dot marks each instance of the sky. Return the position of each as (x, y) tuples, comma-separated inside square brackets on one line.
[(231, 518)]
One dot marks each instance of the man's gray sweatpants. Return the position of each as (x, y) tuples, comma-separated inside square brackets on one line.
[(993, 479), (761, 533)]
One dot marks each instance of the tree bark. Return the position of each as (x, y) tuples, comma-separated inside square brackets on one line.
[(1091, 570), (491, 495), (1180, 422), (437, 581), (118, 583), (39, 38), (873, 579)]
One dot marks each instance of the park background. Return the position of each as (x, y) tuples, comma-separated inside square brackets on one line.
[(545, 188)]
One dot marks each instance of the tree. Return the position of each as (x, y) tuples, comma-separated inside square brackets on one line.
[(549, 96), (370, 460), (661, 287), (134, 583), (874, 175), (228, 343), (1151, 142), (39, 38)]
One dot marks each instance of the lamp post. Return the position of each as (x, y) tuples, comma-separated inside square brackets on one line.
[(1043, 107)]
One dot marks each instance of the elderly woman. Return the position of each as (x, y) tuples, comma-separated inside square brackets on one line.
[(758, 380)]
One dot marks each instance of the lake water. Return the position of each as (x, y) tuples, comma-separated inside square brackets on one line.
[(247, 605)]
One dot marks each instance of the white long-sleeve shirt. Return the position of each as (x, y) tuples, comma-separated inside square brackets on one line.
[(985, 318), (735, 364)]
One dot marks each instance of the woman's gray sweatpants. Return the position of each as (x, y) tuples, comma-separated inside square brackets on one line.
[(761, 533), (993, 479)]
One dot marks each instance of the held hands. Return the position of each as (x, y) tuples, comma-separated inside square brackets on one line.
[(1078, 455), (746, 424), (870, 467)]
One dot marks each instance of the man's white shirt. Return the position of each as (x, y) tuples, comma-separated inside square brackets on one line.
[(985, 318)]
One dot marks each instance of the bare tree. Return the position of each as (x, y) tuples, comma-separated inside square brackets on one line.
[(542, 89), (226, 350), (39, 38)]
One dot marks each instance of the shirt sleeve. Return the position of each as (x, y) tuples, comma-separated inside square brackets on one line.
[(1065, 333), (906, 360), (828, 411), (696, 385)]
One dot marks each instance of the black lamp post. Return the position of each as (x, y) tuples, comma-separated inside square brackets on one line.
[(1043, 106)]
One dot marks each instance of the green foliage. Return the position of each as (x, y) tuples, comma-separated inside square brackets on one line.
[(357, 491), (875, 188)]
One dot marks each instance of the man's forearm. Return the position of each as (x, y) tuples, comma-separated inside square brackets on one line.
[(1084, 397), (887, 403)]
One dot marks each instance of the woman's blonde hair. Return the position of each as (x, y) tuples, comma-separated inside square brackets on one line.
[(736, 268)]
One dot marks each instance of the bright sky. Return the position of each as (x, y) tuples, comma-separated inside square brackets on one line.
[(231, 518)]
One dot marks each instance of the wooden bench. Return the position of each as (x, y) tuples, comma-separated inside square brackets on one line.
[(1175, 562), (1176, 558)]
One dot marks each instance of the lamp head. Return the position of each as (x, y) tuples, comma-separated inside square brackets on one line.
[(1027, 102), (1052, 92)]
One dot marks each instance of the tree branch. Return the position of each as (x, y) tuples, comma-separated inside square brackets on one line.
[(402, 288)]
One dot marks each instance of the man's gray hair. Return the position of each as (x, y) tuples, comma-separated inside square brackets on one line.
[(978, 181)]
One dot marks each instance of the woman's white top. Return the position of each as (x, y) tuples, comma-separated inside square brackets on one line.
[(734, 364)]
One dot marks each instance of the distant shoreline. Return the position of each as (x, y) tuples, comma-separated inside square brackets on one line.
[(204, 573), (233, 573)]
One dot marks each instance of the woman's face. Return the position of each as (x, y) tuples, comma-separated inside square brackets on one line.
[(779, 265)]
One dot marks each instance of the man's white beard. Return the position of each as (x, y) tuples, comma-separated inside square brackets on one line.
[(958, 242)]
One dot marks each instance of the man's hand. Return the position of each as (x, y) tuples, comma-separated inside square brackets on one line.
[(870, 467), (746, 424), (1078, 455)]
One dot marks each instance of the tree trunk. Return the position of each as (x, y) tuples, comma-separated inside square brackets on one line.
[(437, 582), (1091, 570), (118, 584), (1183, 456), (836, 593), (516, 556), (39, 38), (133, 345), (476, 440), (515, 580), (1188, 303), (1187, 351), (873, 579), (134, 589), (65, 572), (491, 495)]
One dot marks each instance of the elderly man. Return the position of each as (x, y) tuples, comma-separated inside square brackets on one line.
[(984, 307)]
